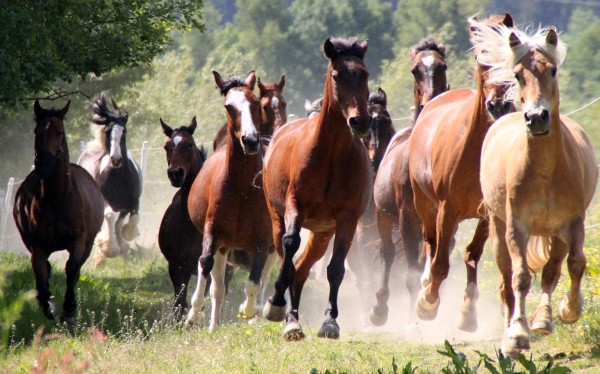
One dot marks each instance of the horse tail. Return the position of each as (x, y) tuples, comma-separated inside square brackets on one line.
[(538, 252)]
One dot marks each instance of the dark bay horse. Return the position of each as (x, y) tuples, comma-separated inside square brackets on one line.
[(444, 152), (118, 175), (308, 183), (178, 239), (392, 192), (538, 176), (58, 206), (227, 205), (273, 113)]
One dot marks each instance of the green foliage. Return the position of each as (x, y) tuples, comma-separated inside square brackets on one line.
[(43, 41), (11, 310)]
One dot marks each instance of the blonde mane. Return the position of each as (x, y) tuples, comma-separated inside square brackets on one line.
[(492, 42)]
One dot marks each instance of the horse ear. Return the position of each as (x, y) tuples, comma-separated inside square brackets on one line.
[(508, 21), (166, 129), (281, 83), (382, 95), (251, 80), (114, 103), (218, 79), (442, 49), (37, 109), (329, 49), (65, 109), (552, 37), (514, 40), (363, 48), (193, 125), (412, 53), (261, 87)]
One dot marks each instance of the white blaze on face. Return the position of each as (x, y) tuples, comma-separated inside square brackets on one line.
[(115, 143), (238, 100), (428, 60), (275, 102), (536, 107), (177, 140)]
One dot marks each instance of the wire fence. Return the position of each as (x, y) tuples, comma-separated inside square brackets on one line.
[(156, 196)]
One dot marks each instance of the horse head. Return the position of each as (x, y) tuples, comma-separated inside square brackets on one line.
[(347, 82), (272, 106), (495, 93), (114, 124), (243, 110), (381, 131), (184, 159), (50, 141), (428, 70)]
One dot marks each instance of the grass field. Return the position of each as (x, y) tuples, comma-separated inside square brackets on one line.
[(124, 326)]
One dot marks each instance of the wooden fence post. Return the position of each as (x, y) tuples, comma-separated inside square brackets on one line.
[(6, 211)]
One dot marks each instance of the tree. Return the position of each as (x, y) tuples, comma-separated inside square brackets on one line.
[(45, 41)]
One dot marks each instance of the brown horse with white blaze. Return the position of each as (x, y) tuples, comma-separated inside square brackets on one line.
[(228, 206), (58, 206), (538, 176), (392, 192), (444, 152), (308, 183)]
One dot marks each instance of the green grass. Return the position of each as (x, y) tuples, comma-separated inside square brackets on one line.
[(124, 326)]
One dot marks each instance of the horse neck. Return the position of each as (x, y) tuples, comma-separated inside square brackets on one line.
[(480, 121), (57, 187), (547, 150), (191, 176), (417, 102), (331, 127)]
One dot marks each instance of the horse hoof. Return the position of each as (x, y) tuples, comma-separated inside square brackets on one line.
[(513, 346), (193, 319), (567, 315), (68, 320), (246, 313), (379, 315), (129, 233), (542, 321), (425, 310), (274, 313), (292, 332), (49, 308), (467, 322), (329, 329)]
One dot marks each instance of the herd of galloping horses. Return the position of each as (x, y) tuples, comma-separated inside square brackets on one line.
[(527, 176)]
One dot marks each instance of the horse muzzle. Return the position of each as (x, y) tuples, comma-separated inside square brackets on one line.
[(45, 164), (538, 123), (498, 108), (250, 144), (176, 176), (360, 125)]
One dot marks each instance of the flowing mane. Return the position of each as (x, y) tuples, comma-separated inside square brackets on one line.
[(103, 115), (230, 83), (348, 46), (496, 52), (428, 44)]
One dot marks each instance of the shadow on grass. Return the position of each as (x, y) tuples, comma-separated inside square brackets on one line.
[(126, 298)]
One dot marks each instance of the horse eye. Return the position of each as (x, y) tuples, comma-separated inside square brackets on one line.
[(553, 72)]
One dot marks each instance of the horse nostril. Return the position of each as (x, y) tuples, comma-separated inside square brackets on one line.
[(545, 116), (527, 117), (353, 121), (490, 105)]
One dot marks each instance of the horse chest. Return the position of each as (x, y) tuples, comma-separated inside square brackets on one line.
[(120, 189)]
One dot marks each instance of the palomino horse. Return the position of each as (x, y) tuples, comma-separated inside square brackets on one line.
[(118, 175), (538, 176), (444, 151), (273, 113), (313, 108), (308, 183), (228, 207), (392, 192), (178, 239), (58, 206)]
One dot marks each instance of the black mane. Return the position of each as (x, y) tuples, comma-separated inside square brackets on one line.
[(103, 114), (376, 99), (347, 46), (428, 44)]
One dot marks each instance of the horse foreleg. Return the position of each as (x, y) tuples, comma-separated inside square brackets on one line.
[(41, 270), (205, 265), (122, 244), (517, 334), (266, 276), (77, 257), (130, 229), (570, 307), (106, 242), (252, 288), (379, 312), (500, 250), (217, 289), (411, 238), (542, 317), (468, 314), (180, 277)]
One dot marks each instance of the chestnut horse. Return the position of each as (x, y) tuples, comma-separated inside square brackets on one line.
[(178, 239), (58, 206), (118, 175), (273, 113), (538, 176), (392, 192), (308, 183), (444, 152), (228, 207)]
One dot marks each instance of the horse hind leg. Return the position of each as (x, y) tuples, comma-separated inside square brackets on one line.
[(467, 320), (272, 259), (106, 242), (122, 244), (252, 288), (41, 270), (571, 306), (217, 289), (542, 318), (130, 229), (379, 312)]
